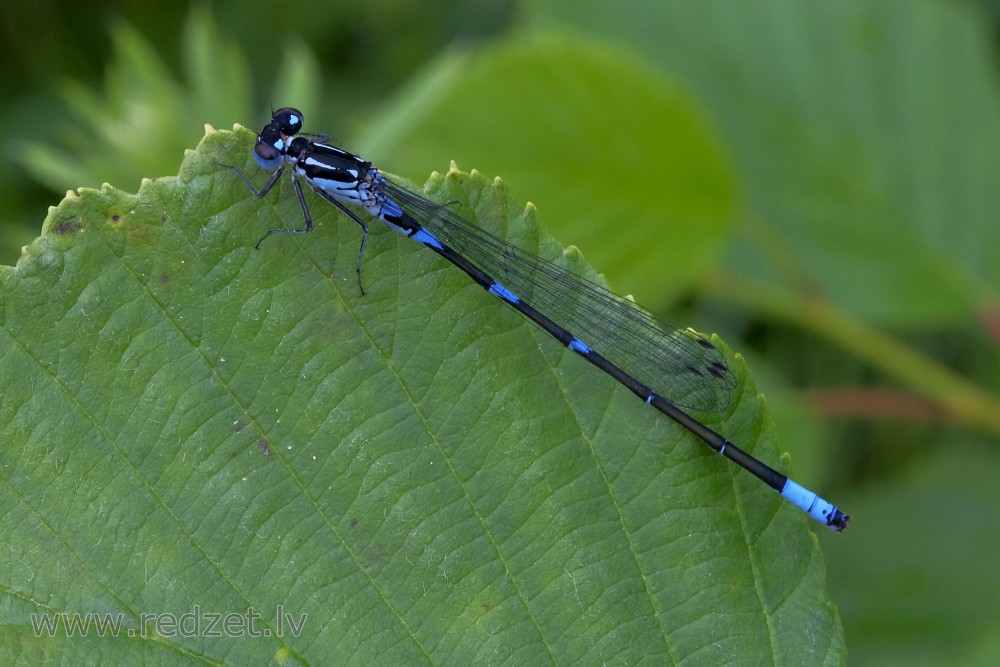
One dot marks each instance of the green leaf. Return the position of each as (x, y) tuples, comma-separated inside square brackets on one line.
[(865, 135), (190, 423), (621, 158), (937, 604)]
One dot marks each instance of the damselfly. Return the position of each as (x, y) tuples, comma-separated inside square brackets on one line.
[(669, 368)]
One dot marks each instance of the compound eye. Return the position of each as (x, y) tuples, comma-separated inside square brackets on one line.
[(266, 155), (288, 120), (265, 151)]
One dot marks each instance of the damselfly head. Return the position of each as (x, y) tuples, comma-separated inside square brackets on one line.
[(270, 147)]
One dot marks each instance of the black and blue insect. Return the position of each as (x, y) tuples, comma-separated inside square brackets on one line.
[(670, 368)]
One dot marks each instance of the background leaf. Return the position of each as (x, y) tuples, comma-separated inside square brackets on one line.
[(421, 472), (634, 151), (865, 136)]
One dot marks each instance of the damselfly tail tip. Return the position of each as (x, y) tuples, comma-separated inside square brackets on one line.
[(838, 521)]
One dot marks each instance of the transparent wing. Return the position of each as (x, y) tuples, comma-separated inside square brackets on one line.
[(677, 363)]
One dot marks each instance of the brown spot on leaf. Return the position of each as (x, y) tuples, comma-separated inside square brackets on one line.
[(70, 226)]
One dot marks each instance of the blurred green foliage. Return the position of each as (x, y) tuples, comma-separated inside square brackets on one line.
[(846, 241)]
